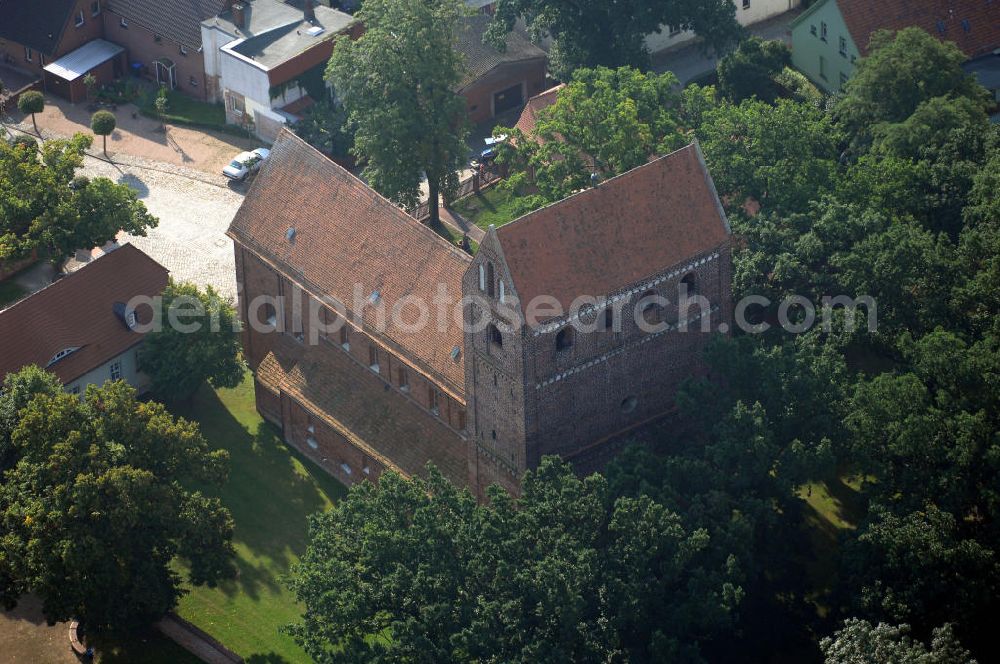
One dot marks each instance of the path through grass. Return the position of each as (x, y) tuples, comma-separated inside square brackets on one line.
[(271, 492)]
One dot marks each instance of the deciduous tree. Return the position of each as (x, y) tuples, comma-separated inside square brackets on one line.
[(102, 124), (97, 508), (44, 206), (860, 642), (610, 33), (751, 69), (397, 83), (31, 101), (195, 338), (604, 122), (564, 573)]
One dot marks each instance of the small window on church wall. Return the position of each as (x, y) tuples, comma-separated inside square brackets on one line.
[(433, 397), (503, 294), (609, 318), (652, 312), (489, 279), (496, 339), (482, 277), (564, 340), (690, 284)]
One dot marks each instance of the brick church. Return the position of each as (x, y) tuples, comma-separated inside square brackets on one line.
[(376, 344)]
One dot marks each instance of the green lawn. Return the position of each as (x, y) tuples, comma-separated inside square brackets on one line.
[(271, 492), (10, 292), (493, 206), (182, 109)]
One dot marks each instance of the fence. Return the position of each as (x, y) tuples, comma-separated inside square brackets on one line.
[(466, 187)]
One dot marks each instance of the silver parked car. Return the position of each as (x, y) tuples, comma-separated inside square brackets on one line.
[(245, 163)]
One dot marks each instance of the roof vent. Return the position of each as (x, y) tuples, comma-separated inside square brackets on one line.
[(456, 352), (315, 31), (374, 297), (290, 235)]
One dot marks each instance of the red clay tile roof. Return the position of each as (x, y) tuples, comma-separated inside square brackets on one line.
[(352, 401), (78, 311), (347, 235), (863, 17), (626, 229), (529, 116)]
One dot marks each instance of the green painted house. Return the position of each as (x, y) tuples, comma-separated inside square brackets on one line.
[(830, 36)]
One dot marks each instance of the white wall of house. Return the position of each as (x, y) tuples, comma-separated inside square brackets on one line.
[(748, 12), (127, 363), (212, 40)]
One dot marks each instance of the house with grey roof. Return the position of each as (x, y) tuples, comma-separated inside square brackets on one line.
[(265, 59), (496, 81)]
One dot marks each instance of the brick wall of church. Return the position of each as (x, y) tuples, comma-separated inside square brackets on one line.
[(634, 375), (527, 399)]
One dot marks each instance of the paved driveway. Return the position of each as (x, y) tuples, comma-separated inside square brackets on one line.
[(194, 212)]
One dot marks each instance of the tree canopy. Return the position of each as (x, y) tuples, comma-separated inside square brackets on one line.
[(196, 339), (752, 69), (605, 121), (98, 505), (397, 83), (44, 205), (610, 33), (564, 573)]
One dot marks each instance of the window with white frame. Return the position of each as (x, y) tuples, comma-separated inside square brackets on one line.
[(843, 47), (79, 19), (95, 8), (28, 55), (123, 23), (116, 370)]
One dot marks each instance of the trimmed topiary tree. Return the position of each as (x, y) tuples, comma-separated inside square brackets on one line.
[(31, 102), (103, 123)]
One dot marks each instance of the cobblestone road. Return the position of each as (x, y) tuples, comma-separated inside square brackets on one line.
[(194, 210)]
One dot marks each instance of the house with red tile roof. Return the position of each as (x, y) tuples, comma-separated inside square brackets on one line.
[(829, 37), (87, 327), (528, 119), (377, 345)]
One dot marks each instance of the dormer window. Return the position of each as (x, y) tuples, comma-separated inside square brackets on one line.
[(130, 320), (61, 354)]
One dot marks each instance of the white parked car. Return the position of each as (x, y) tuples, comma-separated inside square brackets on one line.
[(245, 163)]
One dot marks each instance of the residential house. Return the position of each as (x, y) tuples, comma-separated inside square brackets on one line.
[(748, 12), (498, 81), (333, 278), (59, 44), (163, 39), (81, 328), (265, 59), (830, 36)]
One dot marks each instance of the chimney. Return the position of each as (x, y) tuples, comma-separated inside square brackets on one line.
[(239, 15), (308, 13)]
